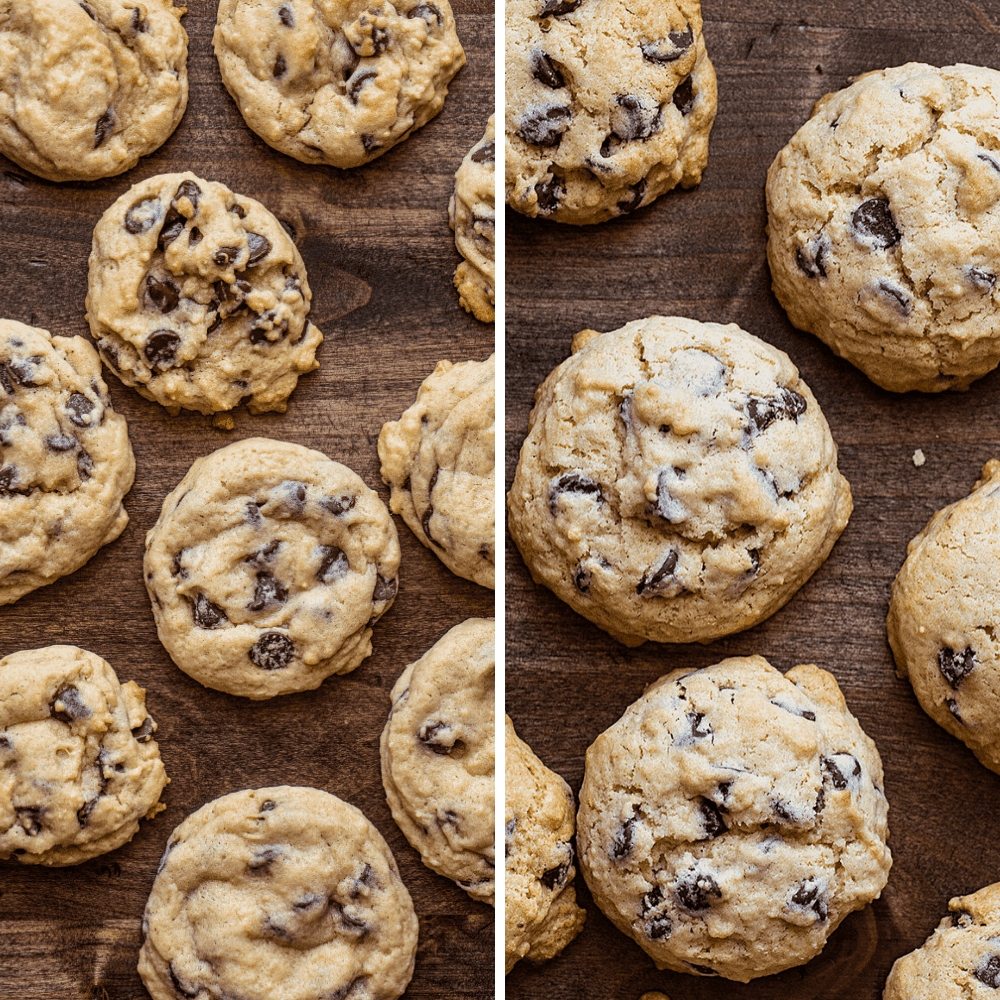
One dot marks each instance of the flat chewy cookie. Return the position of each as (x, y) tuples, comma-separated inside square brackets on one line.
[(78, 763), (267, 568), (733, 817), (884, 225), (438, 756), (65, 458), (278, 892), (89, 86), (678, 481), (336, 81), (198, 297), (609, 105), (439, 460)]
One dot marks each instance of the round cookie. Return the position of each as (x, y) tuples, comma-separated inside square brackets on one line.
[(439, 460), (198, 297), (678, 481), (733, 817), (88, 87), (278, 892), (960, 960), (609, 105), (540, 915), (65, 459), (267, 568), (884, 225), (337, 82), (78, 763), (437, 753), (472, 215), (945, 600)]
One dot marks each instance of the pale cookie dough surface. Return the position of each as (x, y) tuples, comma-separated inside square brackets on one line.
[(540, 916), (336, 81), (437, 752), (884, 225), (941, 622), (472, 214), (280, 892), (88, 87), (78, 763), (678, 481), (733, 817), (267, 568), (609, 105), (960, 960), (439, 460), (198, 297), (65, 459)]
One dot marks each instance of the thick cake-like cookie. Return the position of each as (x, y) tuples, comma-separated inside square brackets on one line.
[(884, 225), (267, 568), (65, 458), (439, 459), (198, 297), (78, 763), (472, 214), (541, 915), (609, 105), (88, 87), (941, 622), (678, 481), (278, 892), (438, 756), (733, 817), (340, 81)]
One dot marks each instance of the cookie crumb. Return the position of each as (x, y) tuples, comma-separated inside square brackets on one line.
[(919, 458)]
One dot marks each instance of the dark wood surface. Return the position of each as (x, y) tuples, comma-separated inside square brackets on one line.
[(380, 258), (701, 254)]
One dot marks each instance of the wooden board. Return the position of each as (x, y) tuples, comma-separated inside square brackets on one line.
[(380, 258), (701, 254)]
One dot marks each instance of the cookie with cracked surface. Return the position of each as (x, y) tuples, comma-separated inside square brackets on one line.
[(339, 82), (89, 86), (283, 891), (439, 460), (78, 763), (678, 481), (945, 600), (722, 771), (541, 915), (609, 105), (884, 225), (198, 298), (472, 215), (65, 459), (267, 568), (437, 752)]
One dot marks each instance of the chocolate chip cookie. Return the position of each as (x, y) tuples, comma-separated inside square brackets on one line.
[(438, 756), (78, 763), (439, 460), (609, 105), (472, 214), (272, 892), (198, 297), (65, 459), (88, 87), (267, 568), (678, 481), (337, 82), (733, 817), (941, 623), (884, 225)]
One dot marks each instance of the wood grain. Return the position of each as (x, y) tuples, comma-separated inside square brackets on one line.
[(380, 258), (701, 254)]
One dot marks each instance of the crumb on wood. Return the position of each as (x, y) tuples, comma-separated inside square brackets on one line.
[(919, 458)]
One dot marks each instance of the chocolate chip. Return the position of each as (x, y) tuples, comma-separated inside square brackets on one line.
[(662, 582), (260, 247), (357, 82), (545, 126), (990, 161), (549, 193), (5, 381), (684, 96), (195, 236), (988, 973), (84, 812), (161, 349), (695, 890), (809, 895), (555, 878), (435, 736), (557, 8), (138, 22), (267, 592), (253, 514), (873, 223), (696, 728), (811, 258), (80, 408), (143, 215), (177, 569), (385, 590), (206, 614), (286, 17), (333, 564), (802, 713), (631, 120), (953, 708), (84, 464), (189, 190), (544, 70), (105, 126), (426, 11), (670, 49), (60, 442), (23, 372), (651, 900), (338, 505), (841, 768), (712, 819), (164, 295), (267, 805), (144, 732), (572, 482), (894, 296), (173, 226), (621, 846), (179, 987), (225, 256), (272, 651), (485, 154), (88, 10), (981, 278), (30, 818), (702, 970), (509, 828), (73, 708), (425, 521), (659, 926), (955, 667), (763, 411), (353, 927), (280, 68), (5, 744), (261, 863), (582, 579), (636, 193), (293, 501), (8, 476)]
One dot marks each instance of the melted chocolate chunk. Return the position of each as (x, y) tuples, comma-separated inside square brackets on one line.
[(702, 970), (652, 899), (809, 896), (385, 590), (544, 70), (8, 476), (582, 579), (676, 44), (357, 82), (684, 97), (425, 521), (763, 411), (73, 705), (80, 408), (841, 768), (695, 890), (225, 256), (333, 564), (549, 193), (434, 736), (189, 190), (989, 972), (544, 127), (88, 10), (23, 372), (105, 126), (173, 226), (60, 442), (668, 506), (261, 863), (621, 846), (555, 878), (659, 926), (427, 11), (272, 651), (953, 708), (164, 295), (697, 728), (161, 349), (84, 812), (30, 818), (636, 193), (205, 613), (253, 513), (802, 713), (955, 667), (280, 68), (508, 840), (811, 257), (5, 381), (894, 296), (712, 819), (557, 8), (267, 592), (267, 805), (631, 120), (572, 482), (294, 500), (873, 223), (144, 732), (286, 17), (84, 464), (981, 278), (138, 22)]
